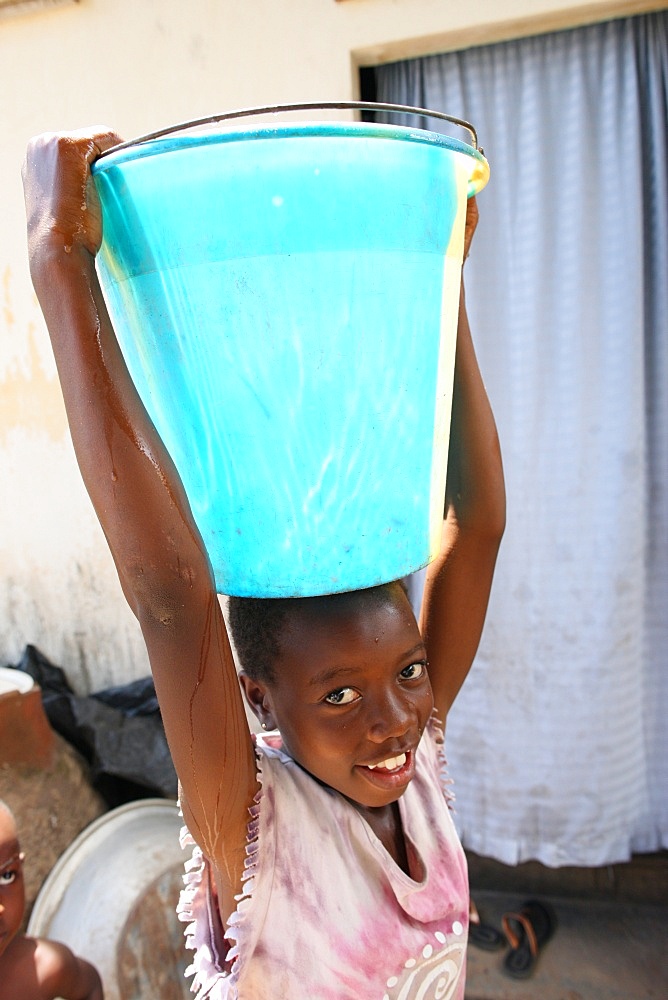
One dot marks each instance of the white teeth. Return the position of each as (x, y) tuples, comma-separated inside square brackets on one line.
[(391, 764)]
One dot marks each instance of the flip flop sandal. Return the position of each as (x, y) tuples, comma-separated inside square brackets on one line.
[(483, 935), (527, 931)]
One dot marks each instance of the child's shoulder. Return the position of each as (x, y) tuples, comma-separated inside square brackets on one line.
[(55, 966), (18, 968)]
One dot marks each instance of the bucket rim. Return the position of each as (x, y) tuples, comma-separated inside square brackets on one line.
[(145, 148), (276, 109)]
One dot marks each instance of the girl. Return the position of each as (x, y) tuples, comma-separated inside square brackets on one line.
[(348, 882)]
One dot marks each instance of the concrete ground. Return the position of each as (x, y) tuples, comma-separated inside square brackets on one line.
[(602, 949)]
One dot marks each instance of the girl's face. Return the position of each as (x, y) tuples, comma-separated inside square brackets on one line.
[(352, 695), (12, 889)]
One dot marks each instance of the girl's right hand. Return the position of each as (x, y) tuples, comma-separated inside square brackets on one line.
[(62, 207), (470, 224)]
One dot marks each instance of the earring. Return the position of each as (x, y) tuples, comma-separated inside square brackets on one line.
[(264, 725)]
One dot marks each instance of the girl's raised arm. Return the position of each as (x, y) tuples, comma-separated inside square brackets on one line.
[(140, 502), (459, 580)]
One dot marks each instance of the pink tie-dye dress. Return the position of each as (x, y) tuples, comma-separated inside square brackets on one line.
[(326, 913)]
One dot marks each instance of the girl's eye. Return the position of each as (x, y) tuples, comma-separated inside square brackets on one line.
[(414, 671), (342, 696), (6, 878)]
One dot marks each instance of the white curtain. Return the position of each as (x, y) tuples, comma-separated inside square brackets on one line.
[(558, 741)]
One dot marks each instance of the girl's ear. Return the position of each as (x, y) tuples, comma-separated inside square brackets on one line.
[(259, 700)]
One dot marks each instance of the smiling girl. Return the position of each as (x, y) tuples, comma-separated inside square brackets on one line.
[(325, 865)]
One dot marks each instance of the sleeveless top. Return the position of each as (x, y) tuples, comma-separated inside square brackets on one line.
[(326, 913)]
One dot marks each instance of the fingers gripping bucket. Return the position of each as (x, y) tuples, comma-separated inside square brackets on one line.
[(286, 301)]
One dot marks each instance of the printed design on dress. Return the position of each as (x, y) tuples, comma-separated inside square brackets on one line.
[(435, 975)]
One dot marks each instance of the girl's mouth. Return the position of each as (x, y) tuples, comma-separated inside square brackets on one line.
[(393, 772), (391, 764)]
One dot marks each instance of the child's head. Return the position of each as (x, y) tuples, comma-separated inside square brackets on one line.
[(12, 888), (344, 678)]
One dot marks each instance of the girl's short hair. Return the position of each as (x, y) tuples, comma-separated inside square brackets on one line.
[(256, 623), (255, 627)]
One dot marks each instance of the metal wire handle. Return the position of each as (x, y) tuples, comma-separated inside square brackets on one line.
[(278, 108)]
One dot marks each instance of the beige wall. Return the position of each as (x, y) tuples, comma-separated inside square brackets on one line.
[(139, 65)]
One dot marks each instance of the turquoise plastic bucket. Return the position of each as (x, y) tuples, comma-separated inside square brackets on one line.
[(286, 299)]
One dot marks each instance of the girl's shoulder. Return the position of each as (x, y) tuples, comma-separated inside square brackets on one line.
[(270, 744), (433, 759)]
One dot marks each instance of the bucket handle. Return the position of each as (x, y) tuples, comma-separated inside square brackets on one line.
[(279, 108)]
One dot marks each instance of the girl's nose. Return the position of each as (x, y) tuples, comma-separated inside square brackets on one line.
[(389, 717)]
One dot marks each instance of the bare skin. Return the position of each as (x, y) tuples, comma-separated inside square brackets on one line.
[(33, 968), (377, 704)]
